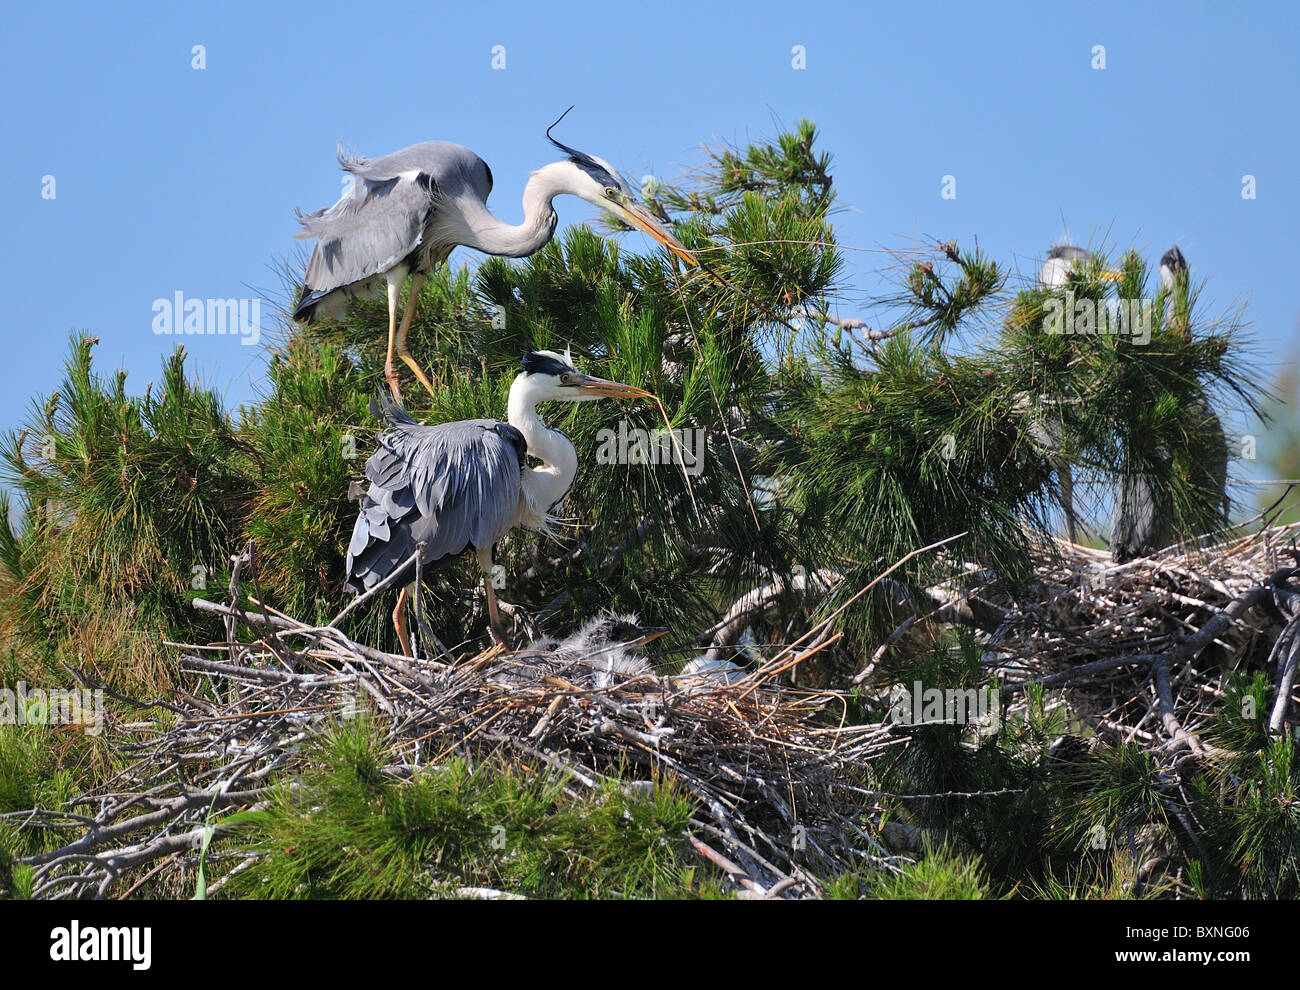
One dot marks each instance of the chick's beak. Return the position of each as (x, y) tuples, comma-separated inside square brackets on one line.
[(648, 633), (643, 220)]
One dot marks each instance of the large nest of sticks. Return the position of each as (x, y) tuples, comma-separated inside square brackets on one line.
[(1140, 650), (777, 773), (1137, 651)]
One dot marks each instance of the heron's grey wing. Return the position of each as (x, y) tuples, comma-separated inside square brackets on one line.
[(454, 169), (387, 213), (452, 487), (372, 228)]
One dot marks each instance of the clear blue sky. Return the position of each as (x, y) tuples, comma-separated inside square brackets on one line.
[(171, 179)]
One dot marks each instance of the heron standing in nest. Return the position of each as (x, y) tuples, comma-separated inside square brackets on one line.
[(462, 486)]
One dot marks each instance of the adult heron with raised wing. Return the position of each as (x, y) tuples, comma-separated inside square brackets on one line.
[(405, 212)]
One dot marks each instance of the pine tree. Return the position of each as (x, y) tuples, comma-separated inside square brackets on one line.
[(831, 448)]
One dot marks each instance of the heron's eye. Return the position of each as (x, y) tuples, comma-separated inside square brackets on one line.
[(564, 379), (611, 192)]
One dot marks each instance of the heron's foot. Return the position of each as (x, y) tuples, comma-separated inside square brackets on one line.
[(523, 621), (424, 380), (394, 386)]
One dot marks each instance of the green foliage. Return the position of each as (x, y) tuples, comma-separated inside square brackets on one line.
[(1110, 878), (306, 442), (15, 879), (346, 830), (1129, 405), (1247, 801), (1122, 791), (916, 452), (122, 499), (940, 873), (1261, 824), (45, 768)]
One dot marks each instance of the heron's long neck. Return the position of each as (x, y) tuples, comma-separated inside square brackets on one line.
[(491, 235), (546, 484)]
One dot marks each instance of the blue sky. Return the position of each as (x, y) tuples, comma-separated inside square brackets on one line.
[(174, 179)]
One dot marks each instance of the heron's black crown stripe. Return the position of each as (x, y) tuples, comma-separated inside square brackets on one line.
[(534, 363), (1070, 252), (1174, 259)]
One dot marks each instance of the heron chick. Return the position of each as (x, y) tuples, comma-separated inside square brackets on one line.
[(604, 652), (702, 671), (464, 485)]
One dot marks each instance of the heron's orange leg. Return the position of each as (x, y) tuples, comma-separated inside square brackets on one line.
[(390, 369), (399, 622), (412, 297), (494, 616)]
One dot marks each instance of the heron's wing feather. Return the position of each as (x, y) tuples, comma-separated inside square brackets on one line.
[(452, 167), (393, 206), (368, 231), (452, 487)]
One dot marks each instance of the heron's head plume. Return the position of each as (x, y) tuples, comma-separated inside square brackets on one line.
[(599, 183)]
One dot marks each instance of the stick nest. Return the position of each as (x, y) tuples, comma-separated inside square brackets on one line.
[(780, 775)]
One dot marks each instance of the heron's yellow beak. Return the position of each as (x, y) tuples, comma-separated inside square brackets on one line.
[(1111, 274), (641, 218), (604, 388)]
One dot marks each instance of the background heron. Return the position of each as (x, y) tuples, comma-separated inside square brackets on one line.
[(1142, 520), (1047, 433), (1061, 259), (1064, 260), (405, 212), (464, 485), (1046, 427)]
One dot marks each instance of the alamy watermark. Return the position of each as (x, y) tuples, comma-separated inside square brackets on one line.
[(179, 315), (634, 445), (102, 944), (21, 706), (951, 706), (1129, 317)]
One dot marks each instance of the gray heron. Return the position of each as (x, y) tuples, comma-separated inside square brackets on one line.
[(463, 486), (1172, 266), (1047, 434), (1142, 518), (1063, 263), (1046, 428), (405, 212)]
